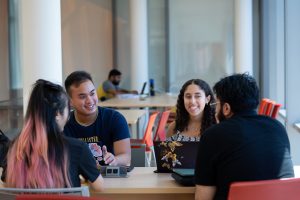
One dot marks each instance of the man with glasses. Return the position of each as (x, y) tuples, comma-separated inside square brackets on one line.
[(243, 146)]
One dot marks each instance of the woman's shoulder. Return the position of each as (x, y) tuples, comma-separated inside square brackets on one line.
[(74, 143)]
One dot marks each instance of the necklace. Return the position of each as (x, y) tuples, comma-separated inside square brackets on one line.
[(86, 124)]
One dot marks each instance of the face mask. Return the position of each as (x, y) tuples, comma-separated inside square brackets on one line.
[(116, 83)]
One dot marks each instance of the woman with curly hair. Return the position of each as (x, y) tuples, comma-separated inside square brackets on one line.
[(41, 156), (193, 112)]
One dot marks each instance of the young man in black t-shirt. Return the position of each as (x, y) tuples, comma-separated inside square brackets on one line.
[(244, 146)]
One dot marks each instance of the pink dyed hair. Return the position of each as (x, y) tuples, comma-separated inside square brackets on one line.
[(29, 164)]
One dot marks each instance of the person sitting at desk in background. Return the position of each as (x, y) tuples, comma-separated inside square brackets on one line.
[(41, 156), (244, 146), (105, 130), (111, 85), (193, 112)]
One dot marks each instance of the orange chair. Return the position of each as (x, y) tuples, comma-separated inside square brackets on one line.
[(148, 137), (262, 106), (275, 110), (269, 108), (161, 129), (266, 190)]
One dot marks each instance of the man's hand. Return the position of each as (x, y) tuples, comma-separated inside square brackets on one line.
[(108, 157)]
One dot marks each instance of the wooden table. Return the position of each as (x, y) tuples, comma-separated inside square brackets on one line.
[(158, 101), (143, 183), (133, 117)]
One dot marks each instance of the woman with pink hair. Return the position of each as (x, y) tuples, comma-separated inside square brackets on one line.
[(41, 156)]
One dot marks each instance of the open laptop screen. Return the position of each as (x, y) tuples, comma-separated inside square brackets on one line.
[(144, 87), (175, 154)]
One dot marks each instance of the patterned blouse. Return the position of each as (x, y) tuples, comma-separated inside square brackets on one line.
[(179, 137)]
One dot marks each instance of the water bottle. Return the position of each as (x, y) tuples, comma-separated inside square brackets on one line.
[(152, 92)]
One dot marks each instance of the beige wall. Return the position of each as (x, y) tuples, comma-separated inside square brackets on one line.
[(87, 37)]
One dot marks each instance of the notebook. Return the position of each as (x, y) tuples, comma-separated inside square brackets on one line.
[(174, 154), (184, 176)]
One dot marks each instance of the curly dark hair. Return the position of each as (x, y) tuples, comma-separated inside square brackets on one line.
[(182, 116), (240, 91)]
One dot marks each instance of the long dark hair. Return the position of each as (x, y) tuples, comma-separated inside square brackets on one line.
[(182, 116), (38, 157)]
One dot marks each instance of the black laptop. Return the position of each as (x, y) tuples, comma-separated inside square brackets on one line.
[(174, 154), (143, 88)]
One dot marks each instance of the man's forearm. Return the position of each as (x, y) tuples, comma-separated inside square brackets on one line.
[(123, 159), (205, 192)]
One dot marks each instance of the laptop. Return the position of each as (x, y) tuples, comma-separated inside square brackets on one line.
[(143, 96), (174, 154), (143, 88)]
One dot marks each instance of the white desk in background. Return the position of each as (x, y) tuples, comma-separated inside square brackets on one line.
[(133, 118), (158, 101)]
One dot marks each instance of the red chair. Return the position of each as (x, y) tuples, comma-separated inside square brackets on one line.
[(262, 106), (269, 108), (275, 110), (266, 190), (148, 137), (161, 129)]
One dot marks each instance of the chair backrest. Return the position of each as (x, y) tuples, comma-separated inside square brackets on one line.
[(275, 110), (266, 190), (148, 137), (102, 95), (161, 128), (262, 106), (138, 156), (269, 108), (53, 197), (5, 193)]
